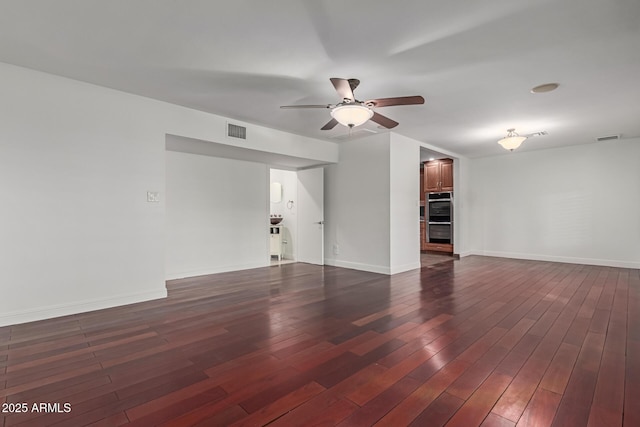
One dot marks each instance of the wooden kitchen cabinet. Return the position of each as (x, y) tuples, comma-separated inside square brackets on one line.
[(438, 175), (439, 247), (422, 185), (432, 176), (423, 224), (446, 175)]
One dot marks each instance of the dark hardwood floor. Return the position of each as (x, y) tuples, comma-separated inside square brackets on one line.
[(476, 341), (428, 259)]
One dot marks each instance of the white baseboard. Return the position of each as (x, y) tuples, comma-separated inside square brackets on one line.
[(42, 313), (358, 266), (214, 270), (406, 267), (551, 258), (466, 253), (372, 268)]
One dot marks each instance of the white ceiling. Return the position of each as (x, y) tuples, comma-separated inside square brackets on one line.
[(473, 61)]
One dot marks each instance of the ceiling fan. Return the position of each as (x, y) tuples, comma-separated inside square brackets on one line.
[(351, 112)]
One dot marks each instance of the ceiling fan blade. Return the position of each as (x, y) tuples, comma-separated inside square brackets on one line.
[(353, 83), (383, 120), (401, 100), (332, 123), (307, 106), (343, 87)]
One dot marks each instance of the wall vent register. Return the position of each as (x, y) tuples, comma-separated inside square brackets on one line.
[(235, 131)]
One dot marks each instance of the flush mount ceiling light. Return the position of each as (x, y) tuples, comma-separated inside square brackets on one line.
[(351, 115), (512, 140)]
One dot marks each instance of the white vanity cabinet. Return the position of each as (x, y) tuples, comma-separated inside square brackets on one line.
[(276, 241)]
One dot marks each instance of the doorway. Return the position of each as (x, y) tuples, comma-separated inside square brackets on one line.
[(296, 213), (311, 216), (437, 225), (283, 216)]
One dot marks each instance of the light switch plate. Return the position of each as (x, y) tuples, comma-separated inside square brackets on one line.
[(153, 196)]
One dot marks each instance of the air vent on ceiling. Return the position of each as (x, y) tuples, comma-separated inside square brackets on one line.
[(607, 138), (541, 133), (235, 131)]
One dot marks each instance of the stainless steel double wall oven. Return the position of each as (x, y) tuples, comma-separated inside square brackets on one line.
[(440, 217)]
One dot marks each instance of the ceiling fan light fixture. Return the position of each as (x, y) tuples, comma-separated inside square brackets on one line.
[(512, 140), (351, 115)]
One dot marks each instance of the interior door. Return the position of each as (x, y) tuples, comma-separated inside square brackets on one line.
[(311, 216)]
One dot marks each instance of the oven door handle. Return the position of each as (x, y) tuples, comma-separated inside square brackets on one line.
[(436, 222)]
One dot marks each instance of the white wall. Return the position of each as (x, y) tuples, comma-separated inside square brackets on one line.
[(357, 211), (575, 204), (404, 203), (463, 227), (216, 216), (75, 165), (289, 181), (372, 205), (76, 162)]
